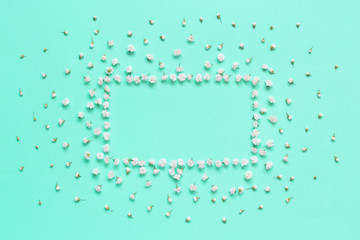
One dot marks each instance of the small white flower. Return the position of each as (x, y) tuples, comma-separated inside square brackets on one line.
[(111, 175), (207, 64), (115, 61), (221, 57), (204, 177), (214, 188), (270, 143), (106, 136), (97, 131), (66, 145), (268, 83), (254, 159), (106, 148), (232, 191), (262, 152), (161, 65), (130, 48), (96, 172), (193, 187), (207, 77), (247, 77), (209, 162), (117, 78), (132, 196), (264, 67), (148, 183), (65, 102), (201, 164), (256, 141), (255, 81), (236, 162), (110, 43), (191, 38), (142, 170), (190, 162), (273, 119), (81, 115), (149, 57), (268, 165), (248, 175), (235, 66), (177, 52), (271, 99), (119, 180), (218, 163), (152, 79), (87, 155), (162, 162), (244, 162), (267, 189), (61, 122), (241, 46), (238, 78), (241, 190)]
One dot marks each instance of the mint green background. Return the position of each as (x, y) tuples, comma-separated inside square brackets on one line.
[(180, 120)]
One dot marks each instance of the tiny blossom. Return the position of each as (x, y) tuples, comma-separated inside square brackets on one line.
[(268, 165), (244, 162), (177, 52), (207, 64), (207, 77), (268, 83), (142, 170), (218, 77), (96, 171), (110, 43), (149, 57), (254, 159), (130, 48), (262, 152), (247, 77), (173, 77), (198, 78), (115, 61), (119, 180), (271, 99), (99, 156), (164, 77), (156, 171), (218, 163), (81, 115), (226, 161), (90, 65), (232, 191), (236, 162), (97, 131), (273, 119), (220, 71), (191, 38), (255, 81), (204, 177), (248, 175), (201, 164), (87, 79), (106, 136), (190, 162), (267, 189), (221, 57), (254, 93), (152, 79), (111, 175), (256, 104), (88, 124), (264, 67), (270, 143), (235, 65), (90, 105), (256, 141), (238, 78), (181, 77), (65, 102), (162, 162), (193, 187), (214, 188), (209, 162)]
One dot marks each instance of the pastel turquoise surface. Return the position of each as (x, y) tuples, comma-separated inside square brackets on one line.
[(174, 120)]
